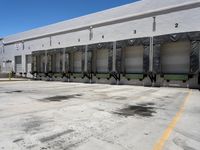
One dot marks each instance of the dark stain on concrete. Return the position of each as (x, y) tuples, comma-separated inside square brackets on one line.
[(60, 98), (167, 97), (54, 136), (18, 140), (74, 145), (31, 146), (146, 104), (34, 124), (16, 91), (120, 98), (143, 110), (181, 143)]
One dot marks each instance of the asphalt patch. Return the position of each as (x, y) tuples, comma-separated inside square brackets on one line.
[(142, 110), (60, 98)]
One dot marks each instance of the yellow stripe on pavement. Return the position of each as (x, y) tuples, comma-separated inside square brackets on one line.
[(165, 136)]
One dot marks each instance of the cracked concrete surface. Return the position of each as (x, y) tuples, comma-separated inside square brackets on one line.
[(56, 115)]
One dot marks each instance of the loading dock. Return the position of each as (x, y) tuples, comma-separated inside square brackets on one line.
[(76, 63), (175, 57), (66, 65), (127, 45), (28, 65), (39, 64), (175, 61), (102, 57), (178, 62), (18, 65), (54, 63), (134, 61)]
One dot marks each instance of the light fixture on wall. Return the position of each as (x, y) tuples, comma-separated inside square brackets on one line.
[(50, 41), (154, 24), (23, 47), (91, 33), (99, 46), (131, 42)]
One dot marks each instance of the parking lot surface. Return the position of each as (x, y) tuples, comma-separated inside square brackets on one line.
[(73, 116)]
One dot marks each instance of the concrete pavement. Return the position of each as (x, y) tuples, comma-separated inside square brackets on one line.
[(55, 115)]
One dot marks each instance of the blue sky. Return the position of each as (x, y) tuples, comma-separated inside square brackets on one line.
[(21, 15)]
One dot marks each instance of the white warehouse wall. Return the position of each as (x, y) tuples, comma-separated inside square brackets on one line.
[(188, 21), (140, 7)]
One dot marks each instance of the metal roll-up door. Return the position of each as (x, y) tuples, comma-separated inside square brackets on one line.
[(146, 59), (67, 67), (102, 56), (18, 64), (156, 58), (134, 59), (94, 61), (175, 57), (194, 56), (53, 58), (110, 60), (77, 61), (82, 61), (89, 61), (58, 62), (37, 63), (49, 63), (118, 59), (34, 63), (41, 63), (28, 63)]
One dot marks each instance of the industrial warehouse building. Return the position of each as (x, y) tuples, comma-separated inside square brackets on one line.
[(149, 43)]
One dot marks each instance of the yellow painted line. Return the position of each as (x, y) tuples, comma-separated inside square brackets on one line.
[(166, 134)]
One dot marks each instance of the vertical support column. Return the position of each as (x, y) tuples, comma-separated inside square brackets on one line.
[(58, 59), (13, 64), (114, 56), (23, 58), (86, 59), (199, 66), (151, 55), (64, 60), (23, 70), (46, 59)]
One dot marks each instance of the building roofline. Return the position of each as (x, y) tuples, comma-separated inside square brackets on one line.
[(151, 13)]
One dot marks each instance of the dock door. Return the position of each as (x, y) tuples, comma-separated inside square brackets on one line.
[(28, 64), (179, 57), (134, 60), (175, 57), (18, 64)]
